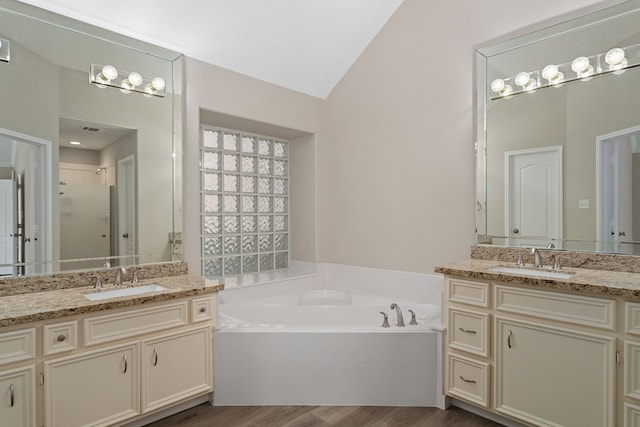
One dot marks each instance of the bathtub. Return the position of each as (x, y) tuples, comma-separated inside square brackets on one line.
[(316, 341)]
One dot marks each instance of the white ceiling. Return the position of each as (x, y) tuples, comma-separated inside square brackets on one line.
[(304, 45)]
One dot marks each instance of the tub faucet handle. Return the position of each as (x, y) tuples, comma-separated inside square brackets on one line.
[(135, 277), (98, 284), (385, 321), (413, 318)]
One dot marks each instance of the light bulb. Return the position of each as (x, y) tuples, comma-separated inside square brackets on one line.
[(135, 79), (158, 83), (552, 74), (109, 72), (500, 87), (581, 66), (615, 58), (524, 79)]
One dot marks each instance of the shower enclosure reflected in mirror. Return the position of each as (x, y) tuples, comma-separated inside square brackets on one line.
[(548, 170), (87, 170)]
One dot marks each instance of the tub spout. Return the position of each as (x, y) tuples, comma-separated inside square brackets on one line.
[(395, 307)]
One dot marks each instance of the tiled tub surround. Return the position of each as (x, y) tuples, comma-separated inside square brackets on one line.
[(45, 305), (48, 282)]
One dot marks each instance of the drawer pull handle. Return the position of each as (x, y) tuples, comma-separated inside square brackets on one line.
[(509, 335), (61, 338), (13, 395), (468, 331), (466, 380), (125, 364), (155, 357), (203, 309)]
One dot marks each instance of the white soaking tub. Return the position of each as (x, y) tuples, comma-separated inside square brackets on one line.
[(312, 345)]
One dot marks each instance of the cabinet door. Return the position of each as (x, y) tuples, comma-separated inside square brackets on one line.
[(18, 397), (551, 376), (175, 367), (97, 388)]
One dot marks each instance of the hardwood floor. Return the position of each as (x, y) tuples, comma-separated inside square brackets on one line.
[(206, 415)]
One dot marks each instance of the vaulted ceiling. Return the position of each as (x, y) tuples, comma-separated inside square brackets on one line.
[(303, 45)]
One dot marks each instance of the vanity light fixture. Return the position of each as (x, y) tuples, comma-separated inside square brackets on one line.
[(105, 76), (552, 74), (4, 50), (584, 68), (524, 80)]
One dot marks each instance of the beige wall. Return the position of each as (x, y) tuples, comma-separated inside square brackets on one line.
[(399, 134), (390, 150)]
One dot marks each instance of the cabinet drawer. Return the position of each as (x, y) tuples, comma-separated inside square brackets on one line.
[(17, 345), (201, 309), (59, 337), (469, 331), (468, 292), (109, 327), (571, 308), (468, 379)]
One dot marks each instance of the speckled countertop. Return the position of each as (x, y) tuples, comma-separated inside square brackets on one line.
[(588, 281), (45, 305)]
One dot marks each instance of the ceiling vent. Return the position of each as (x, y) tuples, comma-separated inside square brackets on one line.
[(90, 129)]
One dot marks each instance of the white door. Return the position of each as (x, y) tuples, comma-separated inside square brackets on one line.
[(125, 185), (7, 225), (533, 196)]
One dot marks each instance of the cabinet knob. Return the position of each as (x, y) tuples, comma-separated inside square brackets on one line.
[(124, 358), (61, 338), (467, 331), (203, 309), (155, 357), (509, 335), (13, 394)]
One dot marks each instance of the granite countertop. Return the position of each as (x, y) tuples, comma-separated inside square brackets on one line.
[(46, 305), (587, 281)]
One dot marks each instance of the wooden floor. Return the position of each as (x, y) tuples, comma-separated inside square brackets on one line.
[(206, 415)]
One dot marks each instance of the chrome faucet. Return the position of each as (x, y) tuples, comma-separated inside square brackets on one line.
[(537, 261), (395, 307), (120, 272)]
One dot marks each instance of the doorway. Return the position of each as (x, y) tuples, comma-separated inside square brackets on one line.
[(126, 228), (534, 197), (618, 180)]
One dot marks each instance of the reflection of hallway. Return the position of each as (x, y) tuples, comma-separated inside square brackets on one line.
[(7, 251)]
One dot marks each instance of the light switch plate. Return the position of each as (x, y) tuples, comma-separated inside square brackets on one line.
[(583, 204)]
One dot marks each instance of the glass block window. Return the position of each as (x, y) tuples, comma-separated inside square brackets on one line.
[(244, 211)]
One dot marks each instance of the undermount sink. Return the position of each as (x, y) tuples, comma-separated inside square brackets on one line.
[(123, 292), (521, 271)]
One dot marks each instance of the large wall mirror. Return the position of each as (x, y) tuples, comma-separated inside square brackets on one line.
[(558, 137), (89, 154)]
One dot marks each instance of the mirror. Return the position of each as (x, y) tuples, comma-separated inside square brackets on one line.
[(558, 154), (109, 199)]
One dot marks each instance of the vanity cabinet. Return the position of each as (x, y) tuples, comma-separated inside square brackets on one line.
[(540, 357), (107, 368)]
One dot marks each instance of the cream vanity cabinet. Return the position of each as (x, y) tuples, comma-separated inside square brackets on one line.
[(540, 357), (106, 368)]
